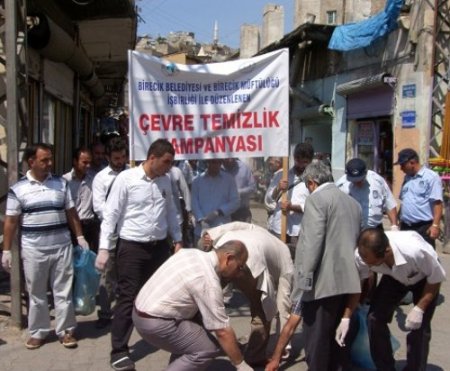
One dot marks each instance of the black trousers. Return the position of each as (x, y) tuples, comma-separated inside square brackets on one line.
[(320, 321), (386, 298), (136, 262), (243, 214), (420, 228), (291, 242)]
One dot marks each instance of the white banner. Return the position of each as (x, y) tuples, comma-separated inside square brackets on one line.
[(231, 109)]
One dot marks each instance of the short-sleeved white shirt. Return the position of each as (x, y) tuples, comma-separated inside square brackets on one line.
[(296, 195), (415, 259), (374, 196), (81, 191)]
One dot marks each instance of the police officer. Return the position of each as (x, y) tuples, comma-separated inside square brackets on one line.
[(372, 193), (421, 197)]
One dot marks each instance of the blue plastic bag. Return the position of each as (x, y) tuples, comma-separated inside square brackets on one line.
[(86, 281), (360, 351)]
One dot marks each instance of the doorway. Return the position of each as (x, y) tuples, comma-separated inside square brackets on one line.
[(374, 144)]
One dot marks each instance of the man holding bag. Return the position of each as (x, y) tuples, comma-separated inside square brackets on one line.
[(408, 263), (41, 205)]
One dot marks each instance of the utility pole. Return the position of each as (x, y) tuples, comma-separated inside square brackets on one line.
[(440, 113), (15, 32)]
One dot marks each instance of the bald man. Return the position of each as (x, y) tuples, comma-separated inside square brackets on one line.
[(266, 282), (166, 308)]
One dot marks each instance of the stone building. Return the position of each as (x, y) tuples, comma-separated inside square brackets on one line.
[(372, 101)]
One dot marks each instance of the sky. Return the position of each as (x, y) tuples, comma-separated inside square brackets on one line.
[(159, 17)]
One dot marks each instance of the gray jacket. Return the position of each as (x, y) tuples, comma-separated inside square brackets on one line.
[(324, 262)]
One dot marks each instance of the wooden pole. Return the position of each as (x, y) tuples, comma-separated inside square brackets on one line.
[(445, 145), (283, 198)]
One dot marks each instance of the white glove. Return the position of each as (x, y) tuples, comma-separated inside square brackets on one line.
[(414, 318), (6, 260), (211, 216), (243, 366), (83, 243), (394, 227), (102, 259), (341, 331), (191, 219)]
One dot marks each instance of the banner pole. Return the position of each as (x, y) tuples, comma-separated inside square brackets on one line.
[(283, 198)]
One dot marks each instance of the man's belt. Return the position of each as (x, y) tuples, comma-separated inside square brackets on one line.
[(143, 244), (146, 315), (417, 224)]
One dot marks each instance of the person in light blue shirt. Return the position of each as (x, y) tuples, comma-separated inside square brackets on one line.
[(246, 186), (214, 197), (372, 193), (421, 196)]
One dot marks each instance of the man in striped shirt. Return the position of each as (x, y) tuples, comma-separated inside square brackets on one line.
[(40, 204)]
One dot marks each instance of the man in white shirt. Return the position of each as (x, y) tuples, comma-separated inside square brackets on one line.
[(372, 193), (296, 196), (266, 283), (408, 263), (80, 185), (167, 307), (116, 154), (141, 207)]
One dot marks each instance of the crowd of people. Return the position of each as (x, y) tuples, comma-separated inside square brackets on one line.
[(172, 242)]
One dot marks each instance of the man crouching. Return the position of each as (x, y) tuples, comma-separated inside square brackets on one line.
[(166, 308)]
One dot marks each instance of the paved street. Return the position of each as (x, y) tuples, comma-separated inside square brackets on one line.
[(93, 350)]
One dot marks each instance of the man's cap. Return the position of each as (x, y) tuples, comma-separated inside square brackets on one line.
[(356, 170), (405, 155)]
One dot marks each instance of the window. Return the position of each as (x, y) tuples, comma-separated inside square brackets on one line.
[(331, 17), (56, 129)]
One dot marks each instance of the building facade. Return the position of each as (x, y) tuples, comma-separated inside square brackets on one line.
[(369, 102), (72, 59)]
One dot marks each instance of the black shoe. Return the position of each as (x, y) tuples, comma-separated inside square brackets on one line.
[(122, 362), (102, 323)]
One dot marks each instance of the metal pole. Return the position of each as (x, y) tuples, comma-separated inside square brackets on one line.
[(12, 140)]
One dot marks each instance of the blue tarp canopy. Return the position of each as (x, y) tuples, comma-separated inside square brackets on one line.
[(361, 34)]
